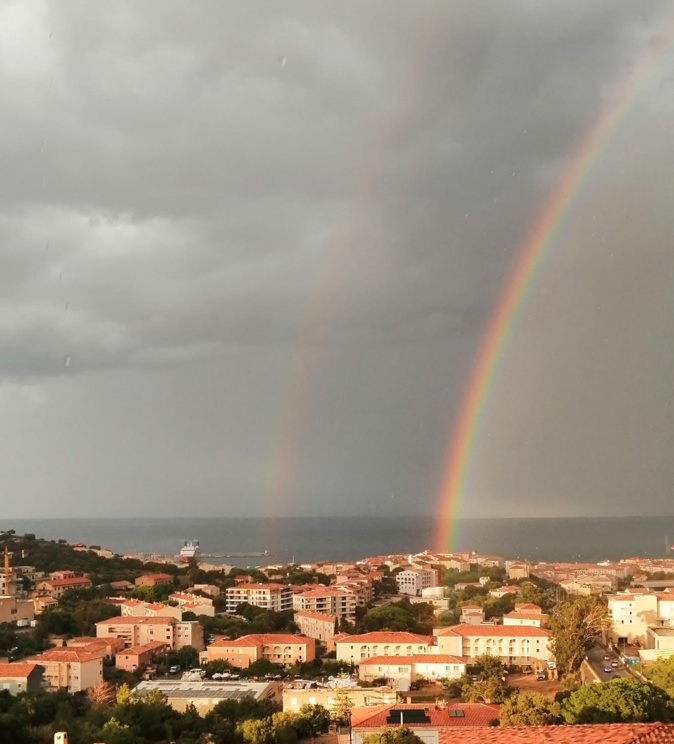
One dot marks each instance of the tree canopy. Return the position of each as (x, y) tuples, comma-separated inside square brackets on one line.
[(617, 701), (575, 625)]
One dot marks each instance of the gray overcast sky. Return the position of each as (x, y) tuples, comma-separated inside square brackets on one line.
[(249, 250)]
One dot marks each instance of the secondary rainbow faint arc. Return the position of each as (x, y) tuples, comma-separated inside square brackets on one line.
[(282, 473), (527, 265)]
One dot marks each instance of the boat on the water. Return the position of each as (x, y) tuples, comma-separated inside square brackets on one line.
[(190, 551)]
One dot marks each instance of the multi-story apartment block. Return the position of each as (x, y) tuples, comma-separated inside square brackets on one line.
[(16, 611), (194, 603), (21, 676), (137, 631), (153, 579), (413, 580), (317, 625), (408, 668), (139, 608), (328, 600), (277, 597), (520, 645), (72, 669), (353, 648), (526, 614), (279, 648), (56, 588)]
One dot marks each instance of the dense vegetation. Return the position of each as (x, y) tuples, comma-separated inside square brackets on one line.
[(121, 717)]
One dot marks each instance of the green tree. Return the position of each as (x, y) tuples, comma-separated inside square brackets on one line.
[(661, 674), (116, 733), (313, 720), (490, 690), (401, 735), (530, 709), (617, 701), (575, 626), (257, 731)]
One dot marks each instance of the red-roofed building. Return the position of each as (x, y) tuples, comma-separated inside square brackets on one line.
[(73, 669), (277, 597), (135, 657), (153, 579), (611, 733), (137, 631), (279, 648), (516, 644), (427, 721), (354, 648), (317, 625), (121, 586), (21, 677), (56, 588), (427, 666), (326, 599), (105, 647)]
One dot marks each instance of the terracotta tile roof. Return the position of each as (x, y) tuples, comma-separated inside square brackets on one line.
[(495, 630), (527, 607), (326, 592), (414, 659), (387, 637), (145, 647), (158, 620), (271, 587), (64, 654), (17, 670), (263, 639), (612, 733), (74, 581), (475, 715)]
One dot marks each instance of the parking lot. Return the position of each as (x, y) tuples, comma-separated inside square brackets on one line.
[(529, 683)]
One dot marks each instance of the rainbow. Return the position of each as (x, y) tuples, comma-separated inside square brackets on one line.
[(527, 267), (285, 462)]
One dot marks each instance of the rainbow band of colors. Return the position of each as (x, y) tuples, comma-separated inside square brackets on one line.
[(527, 266)]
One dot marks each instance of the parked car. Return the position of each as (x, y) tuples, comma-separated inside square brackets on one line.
[(541, 675), (174, 670), (608, 669), (606, 657), (615, 664)]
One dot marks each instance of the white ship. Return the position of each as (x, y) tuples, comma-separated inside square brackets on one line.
[(190, 551)]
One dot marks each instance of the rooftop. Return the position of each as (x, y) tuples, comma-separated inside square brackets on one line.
[(387, 637), (206, 689), (494, 630), (263, 639), (17, 670), (612, 733), (454, 714), (414, 659)]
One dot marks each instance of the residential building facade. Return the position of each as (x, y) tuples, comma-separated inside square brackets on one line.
[(279, 648), (317, 625), (276, 597), (352, 649), (518, 645)]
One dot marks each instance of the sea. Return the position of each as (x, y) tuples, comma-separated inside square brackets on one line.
[(310, 539)]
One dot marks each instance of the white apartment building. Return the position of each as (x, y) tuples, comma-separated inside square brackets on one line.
[(138, 631), (408, 668), (354, 648), (317, 625), (413, 581), (327, 600), (70, 668), (632, 612), (520, 645), (277, 597)]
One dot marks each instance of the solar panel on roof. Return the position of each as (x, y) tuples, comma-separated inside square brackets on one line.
[(457, 714), (402, 716)]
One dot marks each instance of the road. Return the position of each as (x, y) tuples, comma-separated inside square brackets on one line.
[(595, 657)]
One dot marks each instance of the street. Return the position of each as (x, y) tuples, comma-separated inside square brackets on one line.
[(595, 657)]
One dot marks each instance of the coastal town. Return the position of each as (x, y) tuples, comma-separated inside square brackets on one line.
[(431, 641)]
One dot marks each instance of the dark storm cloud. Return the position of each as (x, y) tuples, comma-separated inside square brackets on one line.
[(192, 194)]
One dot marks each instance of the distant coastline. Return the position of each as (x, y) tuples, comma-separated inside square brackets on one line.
[(308, 539)]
